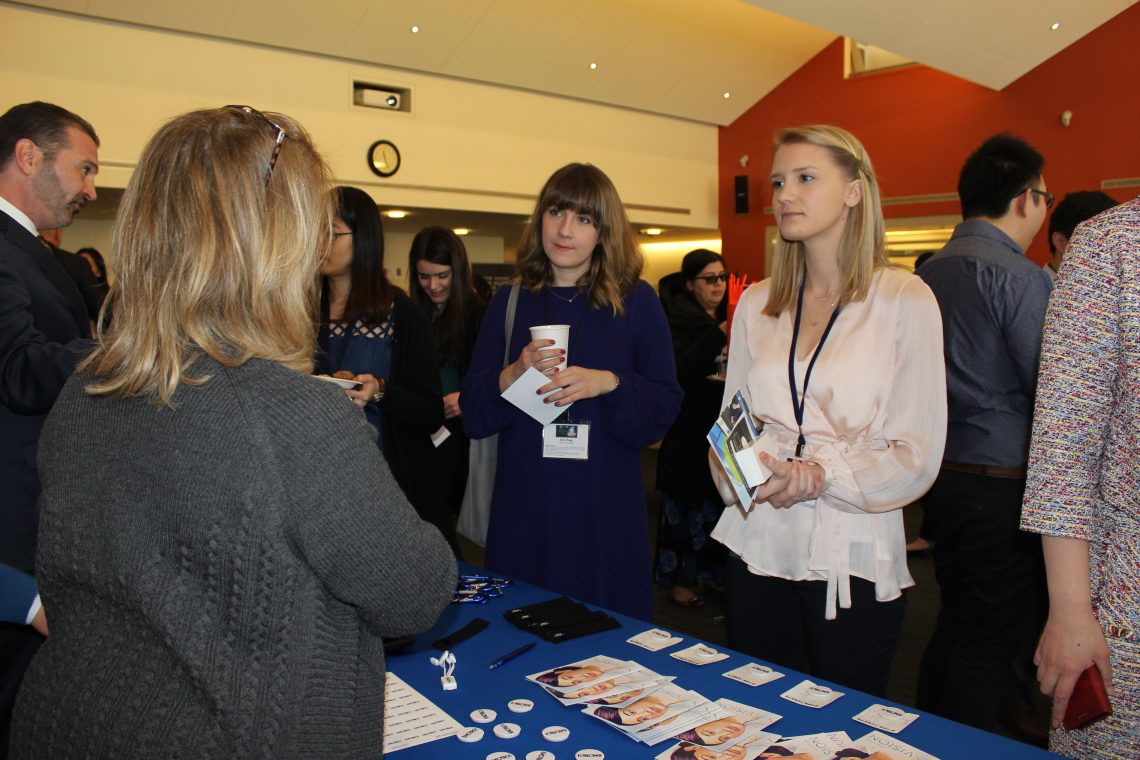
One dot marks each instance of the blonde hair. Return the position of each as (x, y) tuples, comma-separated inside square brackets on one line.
[(216, 250), (863, 247), (617, 261)]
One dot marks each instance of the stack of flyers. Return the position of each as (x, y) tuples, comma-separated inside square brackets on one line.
[(725, 727), (612, 690), (733, 431), (574, 675), (825, 746), (648, 714)]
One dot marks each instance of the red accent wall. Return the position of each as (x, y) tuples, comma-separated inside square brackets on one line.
[(918, 126)]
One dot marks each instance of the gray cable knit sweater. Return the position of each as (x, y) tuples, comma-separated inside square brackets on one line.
[(217, 577)]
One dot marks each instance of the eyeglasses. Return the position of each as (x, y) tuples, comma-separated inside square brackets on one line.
[(279, 137), (1049, 197), (712, 279)]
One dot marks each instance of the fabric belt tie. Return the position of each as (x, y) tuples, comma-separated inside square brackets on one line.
[(986, 470)]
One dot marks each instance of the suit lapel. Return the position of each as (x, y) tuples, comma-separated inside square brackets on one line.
[(34, 247)]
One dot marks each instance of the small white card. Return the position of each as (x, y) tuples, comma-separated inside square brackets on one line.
[(566, 440), (699, 654), (754, 674), (886, 718), (811, 694), (655, 640), (440, 436), (753, 470), (523, 393)]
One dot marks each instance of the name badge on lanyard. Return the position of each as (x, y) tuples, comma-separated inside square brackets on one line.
[(566, 440)]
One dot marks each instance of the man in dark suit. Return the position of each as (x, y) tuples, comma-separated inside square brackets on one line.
[(48, 161)]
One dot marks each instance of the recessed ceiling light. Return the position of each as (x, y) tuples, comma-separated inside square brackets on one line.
[(395, 214), (593, 66), (727, 95), (415, 29), (652, 231), (1056, 26), (461, 231)]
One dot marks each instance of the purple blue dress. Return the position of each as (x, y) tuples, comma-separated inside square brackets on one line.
[(577, 527)]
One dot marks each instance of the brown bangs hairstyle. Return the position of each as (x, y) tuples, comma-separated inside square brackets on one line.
[(617, 261), (863, 248), (216, 247)]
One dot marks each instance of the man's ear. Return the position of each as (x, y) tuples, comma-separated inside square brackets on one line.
[(27, 155), (1018, 204)]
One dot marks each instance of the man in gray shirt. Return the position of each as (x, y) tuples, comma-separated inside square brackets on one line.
[(993, 308)]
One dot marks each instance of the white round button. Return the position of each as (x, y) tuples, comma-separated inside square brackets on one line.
[(520, 705), (483, 716), (540, 754), (507, 730), (470, 735), (589, 754), (556, 733), (500, 756)]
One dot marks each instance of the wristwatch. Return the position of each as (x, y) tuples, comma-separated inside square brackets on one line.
[(378, 396)]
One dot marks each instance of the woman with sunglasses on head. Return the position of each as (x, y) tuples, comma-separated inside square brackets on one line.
[(374, 334), (570, 515), (220, 586), (696, 306), (839, 356), (442, 288)]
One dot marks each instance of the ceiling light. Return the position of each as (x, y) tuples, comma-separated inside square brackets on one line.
[(593, 66), (1056, 26), (415, 29), (461, 231), (652, 231), (395, 214), (727, 95)]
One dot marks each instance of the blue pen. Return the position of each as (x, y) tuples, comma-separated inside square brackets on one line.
[(511, 655)]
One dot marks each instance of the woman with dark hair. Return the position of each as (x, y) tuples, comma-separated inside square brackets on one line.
[(94, 260), (444, 291), (571, 675), (574, 525), (696, 306), (373, 332), (643, 710)]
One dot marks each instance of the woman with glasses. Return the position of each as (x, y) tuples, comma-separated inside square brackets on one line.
[(372, 333), (839, 356), (221, 545), (568, 513), (696, 306)]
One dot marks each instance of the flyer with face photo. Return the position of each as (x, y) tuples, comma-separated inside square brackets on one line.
[(879, 746), (750, 748), (720, 723), (663, 703), (824, 746), (611, 690), (576, 675), (733, 431)]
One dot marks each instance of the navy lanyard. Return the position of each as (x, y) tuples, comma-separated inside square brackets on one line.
[(798, 403)]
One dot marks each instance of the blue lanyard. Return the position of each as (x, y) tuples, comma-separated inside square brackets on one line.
[(798, 403)]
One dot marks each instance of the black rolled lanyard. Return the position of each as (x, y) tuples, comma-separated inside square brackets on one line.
[(798, 403)]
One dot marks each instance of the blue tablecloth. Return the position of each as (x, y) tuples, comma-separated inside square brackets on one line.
[(482, 688)]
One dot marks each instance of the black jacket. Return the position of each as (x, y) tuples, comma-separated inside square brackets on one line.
[(682, 464)]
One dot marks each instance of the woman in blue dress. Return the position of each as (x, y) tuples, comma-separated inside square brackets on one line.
[(374, 332), (578, 525)]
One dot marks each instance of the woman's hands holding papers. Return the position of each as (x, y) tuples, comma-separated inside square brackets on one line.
[(791, 482)]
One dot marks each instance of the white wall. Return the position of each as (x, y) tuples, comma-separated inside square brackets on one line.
[(463, 147)]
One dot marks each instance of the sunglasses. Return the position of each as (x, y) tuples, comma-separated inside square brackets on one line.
[(279, 137), (712, 279)]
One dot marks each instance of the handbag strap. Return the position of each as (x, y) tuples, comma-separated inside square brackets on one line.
[(509, 326)]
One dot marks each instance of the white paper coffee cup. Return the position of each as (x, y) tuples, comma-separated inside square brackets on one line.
[(560, 334)]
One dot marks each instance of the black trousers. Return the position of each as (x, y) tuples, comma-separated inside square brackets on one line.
[(992, 580), (782, 622), (18, 644)]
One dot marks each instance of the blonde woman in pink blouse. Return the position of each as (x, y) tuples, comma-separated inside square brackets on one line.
[(840, 358)]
